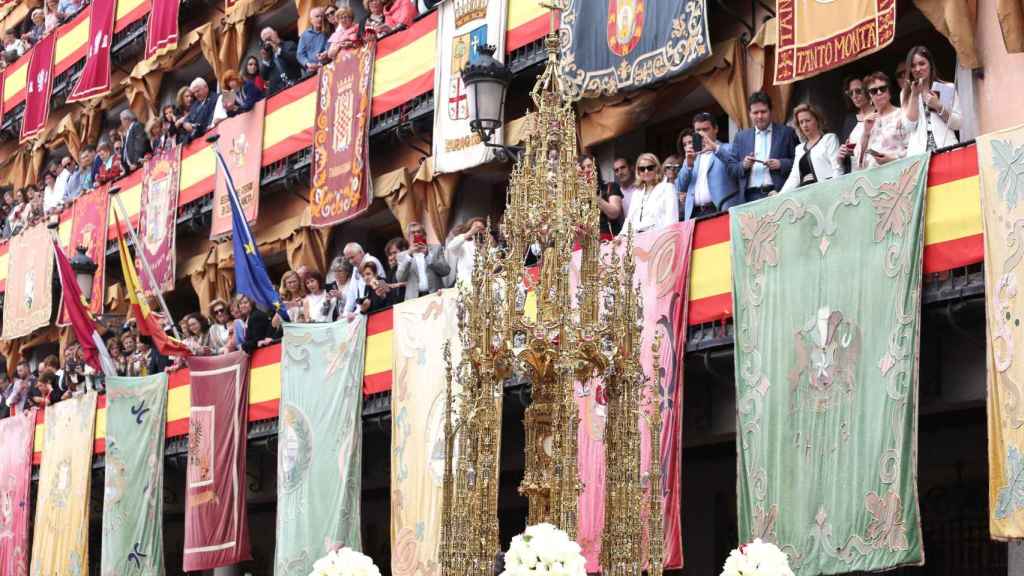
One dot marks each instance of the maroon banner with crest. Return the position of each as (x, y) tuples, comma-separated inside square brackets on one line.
[(18, 433), (95, 78), (38, 84), (162, 33), (89, 230), (158, 217), (342, 188), (216, 520)]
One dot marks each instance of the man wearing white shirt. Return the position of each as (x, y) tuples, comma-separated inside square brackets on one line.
[(705, 173), (422, 267), (355, 255)]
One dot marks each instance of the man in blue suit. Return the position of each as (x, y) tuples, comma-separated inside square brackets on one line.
[(764, 153), (705, 175)]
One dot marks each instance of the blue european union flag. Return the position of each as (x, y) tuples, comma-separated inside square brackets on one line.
[(251, 276)]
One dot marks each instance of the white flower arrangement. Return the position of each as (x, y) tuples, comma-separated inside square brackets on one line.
[(757, 559), (544, 550), (345, 562)]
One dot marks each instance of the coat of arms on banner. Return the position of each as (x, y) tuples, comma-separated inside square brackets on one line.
[(625, 25), (463, 53)]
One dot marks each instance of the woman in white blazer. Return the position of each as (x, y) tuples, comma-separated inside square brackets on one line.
[(655, 204), (934, 104), (816, 156)]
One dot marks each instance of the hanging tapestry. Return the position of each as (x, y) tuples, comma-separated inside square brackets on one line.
[(60, 543), (216, 518), (17, 433), (241, 142), (28, 299), (38, 85), (342, 187), (89, 231), (319, 458), (662, 263), (613, 45), (462, 27), (1001, 172), (417, 429), (133, 502), (95, 77), (162, 28), (817, 36), (159, 218), (826, 369)]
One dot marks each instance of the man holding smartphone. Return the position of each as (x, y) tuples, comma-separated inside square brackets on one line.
[(422, 267), (763, 155), (704, 175)]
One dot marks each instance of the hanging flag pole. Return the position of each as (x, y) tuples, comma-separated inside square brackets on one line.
[(115, 193)]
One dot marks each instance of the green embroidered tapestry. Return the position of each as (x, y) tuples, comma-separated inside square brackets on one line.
[(133, 495), (319, 455), (826, 300)]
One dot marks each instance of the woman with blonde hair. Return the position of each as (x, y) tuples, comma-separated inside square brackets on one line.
[(654, 204), (815, 158), (292, 294)]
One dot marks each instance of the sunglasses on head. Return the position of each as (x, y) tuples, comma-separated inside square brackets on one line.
[(646, 168), (878, 90)]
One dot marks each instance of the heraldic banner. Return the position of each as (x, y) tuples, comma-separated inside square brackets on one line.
[(216, 518), (17, 432), (816, 36), (159, 216), (38, 85), (826, 369), (89, 231), (461, 28), (421, 328), (28, 301), (95, 78), (613, 45), (1001, 171), (342, 187), (241, 142), (133, 501), (162, 28), (60, 544), (662, 262), (319, 462)]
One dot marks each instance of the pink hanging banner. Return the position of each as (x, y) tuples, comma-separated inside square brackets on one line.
[(17, 432), (162, 29), (662, 273), (216, 519), (38, 85), (95, 78)]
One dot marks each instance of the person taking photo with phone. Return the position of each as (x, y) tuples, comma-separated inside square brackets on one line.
[(422, 267), (934, 104), (704, 175)]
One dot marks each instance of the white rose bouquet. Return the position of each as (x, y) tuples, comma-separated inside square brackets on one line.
[(345, 562), (757, 559), (544, 549)]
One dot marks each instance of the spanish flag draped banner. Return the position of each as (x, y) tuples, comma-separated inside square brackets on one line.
[(147, 321), (61, 541)]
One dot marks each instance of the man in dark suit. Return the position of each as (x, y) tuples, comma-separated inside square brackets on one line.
[(763, 154), (279, 62), (136, 143), (201, 113)]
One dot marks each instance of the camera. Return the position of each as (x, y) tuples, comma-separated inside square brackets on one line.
[(268, 47)]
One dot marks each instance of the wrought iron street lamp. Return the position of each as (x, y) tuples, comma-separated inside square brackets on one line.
[(85, 272), (487, 81)]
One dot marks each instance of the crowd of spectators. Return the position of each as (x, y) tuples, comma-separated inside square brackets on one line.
[(42, 21)]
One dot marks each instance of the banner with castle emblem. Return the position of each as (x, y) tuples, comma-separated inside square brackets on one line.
[(60, 542), (462, 27), (342, 187), (1001, 172), (319, 456), (827, 369), (216, 517), (158, 218), (613, 45), (816, 36), (662, 260), (28, 299), (18, 432), (133, 495), (421, 327), (89, 231), (241, 142)]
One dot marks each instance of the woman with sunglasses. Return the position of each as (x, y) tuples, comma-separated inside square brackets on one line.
[(934, 104), (859, 106), (220, 321), (886, 131), (654, 204)]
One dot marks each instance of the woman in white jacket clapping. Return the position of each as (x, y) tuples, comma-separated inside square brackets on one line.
[(815, 159)]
